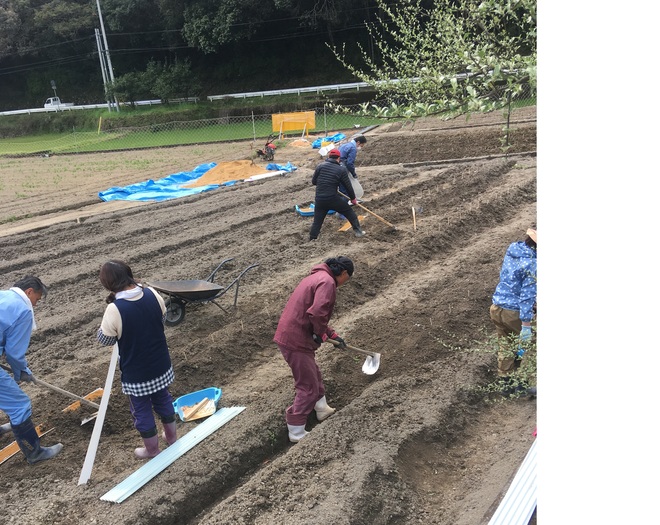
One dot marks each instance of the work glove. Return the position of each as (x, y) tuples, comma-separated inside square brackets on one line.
[(354, 202), (520, 352), (317, 339), (525, 334), (26, 378), (335, 337)]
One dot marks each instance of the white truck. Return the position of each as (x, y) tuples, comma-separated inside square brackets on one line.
[(55, 103)]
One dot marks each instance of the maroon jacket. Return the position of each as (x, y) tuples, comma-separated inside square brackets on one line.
[(308, 311)]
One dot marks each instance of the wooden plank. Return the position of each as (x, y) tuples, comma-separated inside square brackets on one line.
[(86, 471), (13, 448), (190, 411), (347, 225)]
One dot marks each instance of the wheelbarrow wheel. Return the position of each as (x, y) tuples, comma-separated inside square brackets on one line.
[(175, 313)]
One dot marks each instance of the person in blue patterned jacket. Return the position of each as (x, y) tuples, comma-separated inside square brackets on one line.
[(135, 320), (514, 302)]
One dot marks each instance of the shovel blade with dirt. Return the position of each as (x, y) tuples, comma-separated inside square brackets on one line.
[(371, 363)]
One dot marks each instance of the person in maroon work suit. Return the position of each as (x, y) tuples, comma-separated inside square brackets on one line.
[(303, 326)]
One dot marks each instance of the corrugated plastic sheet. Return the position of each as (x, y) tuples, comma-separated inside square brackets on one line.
[(156, 465), (519, 502)]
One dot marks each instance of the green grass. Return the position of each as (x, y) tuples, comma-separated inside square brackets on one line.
[(164, 134), (168, 134)]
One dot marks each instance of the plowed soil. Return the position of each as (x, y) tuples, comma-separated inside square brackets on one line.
[(413, 443)]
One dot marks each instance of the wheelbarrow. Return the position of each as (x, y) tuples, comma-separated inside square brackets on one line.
[(181, 293)]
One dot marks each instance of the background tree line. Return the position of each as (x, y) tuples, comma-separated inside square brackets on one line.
[(225, 45), (422, 56)]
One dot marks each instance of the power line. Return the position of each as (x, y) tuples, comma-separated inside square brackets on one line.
[(32, 49)]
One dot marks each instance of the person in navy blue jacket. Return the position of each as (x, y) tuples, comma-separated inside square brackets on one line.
[(135, 320), (348, 154), (514, 302)]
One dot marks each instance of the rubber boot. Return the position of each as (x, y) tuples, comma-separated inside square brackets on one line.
[(150, 449), (296, 432), (30, 444), (169, 432), (359, 232), (5, 428), (323, 411)]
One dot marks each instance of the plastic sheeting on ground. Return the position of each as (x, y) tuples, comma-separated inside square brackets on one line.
[(173, 186), (162, 189), (333, 138), (279, 167)]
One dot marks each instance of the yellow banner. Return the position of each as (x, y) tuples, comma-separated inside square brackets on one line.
[(298, 121)]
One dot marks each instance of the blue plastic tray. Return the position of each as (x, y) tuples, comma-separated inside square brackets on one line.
[(195, 397), (308, 210)]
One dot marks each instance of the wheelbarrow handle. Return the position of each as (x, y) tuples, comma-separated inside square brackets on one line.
[(354, 348)]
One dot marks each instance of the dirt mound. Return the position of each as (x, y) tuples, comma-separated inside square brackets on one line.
[(411, 444), (228, 171)]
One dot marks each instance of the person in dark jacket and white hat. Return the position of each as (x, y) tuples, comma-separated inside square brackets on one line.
[(327, 177), (303, 326)]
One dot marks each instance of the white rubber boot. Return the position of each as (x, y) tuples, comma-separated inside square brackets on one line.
[(323, 411), (296, 432)]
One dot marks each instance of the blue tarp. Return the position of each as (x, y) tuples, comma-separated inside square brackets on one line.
[(170, 187), (162, 189), (278, 167), (334, 138)]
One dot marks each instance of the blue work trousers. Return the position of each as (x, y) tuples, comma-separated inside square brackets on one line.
[(143, 408), (13, 401)]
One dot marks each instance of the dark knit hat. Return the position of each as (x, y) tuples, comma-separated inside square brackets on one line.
[(339, 264)]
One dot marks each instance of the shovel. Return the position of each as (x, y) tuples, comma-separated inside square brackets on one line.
[(369, 211), (57, 389), (371, 363)]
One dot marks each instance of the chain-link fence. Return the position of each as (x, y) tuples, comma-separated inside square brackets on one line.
[(317, 122)]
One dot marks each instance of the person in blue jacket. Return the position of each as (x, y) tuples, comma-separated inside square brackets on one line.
[(16, 326), (347, 155), (514, 302), (135, 320)]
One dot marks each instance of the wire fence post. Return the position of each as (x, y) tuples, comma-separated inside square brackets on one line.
[(254, 129), (325, 121)]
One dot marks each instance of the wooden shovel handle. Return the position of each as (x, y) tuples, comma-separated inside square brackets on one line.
[(59, 390), (354, 348), (369, 211)]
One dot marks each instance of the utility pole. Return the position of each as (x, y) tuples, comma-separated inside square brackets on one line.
[(104, 71), (107, 51)]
